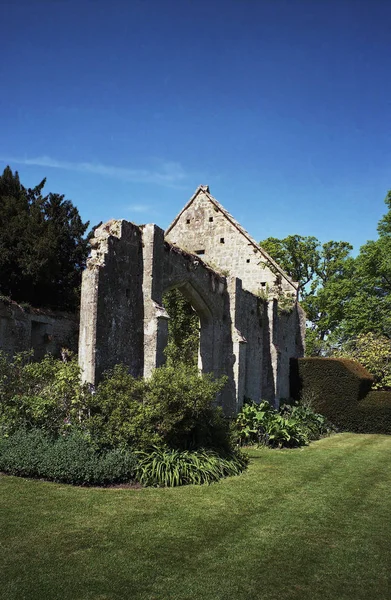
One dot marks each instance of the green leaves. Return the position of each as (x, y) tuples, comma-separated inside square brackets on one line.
[(291, 426), (164, 467), (373, 351), (43, 247), (69, 459), (183, 330)]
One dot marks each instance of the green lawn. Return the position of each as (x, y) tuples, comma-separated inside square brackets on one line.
[(311, 523)]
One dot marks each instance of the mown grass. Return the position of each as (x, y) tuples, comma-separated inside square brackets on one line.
[(311, 523)]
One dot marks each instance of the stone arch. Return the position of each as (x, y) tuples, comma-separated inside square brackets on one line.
[(204, 313)]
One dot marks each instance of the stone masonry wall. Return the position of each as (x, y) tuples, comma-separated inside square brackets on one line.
[(204, 229), (123, 319), (43, 331)]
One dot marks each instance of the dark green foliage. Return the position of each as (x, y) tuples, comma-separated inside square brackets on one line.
[(169, 468), (289, 427), (323, 272), (175, 408), (86, 438), (343, 297), (183, 330), (68, 459), (44, 394), (341, 392), (374, 413), (43, 248), (312, 424)]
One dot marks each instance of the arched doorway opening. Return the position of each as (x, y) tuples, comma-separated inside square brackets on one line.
[(190, 328)]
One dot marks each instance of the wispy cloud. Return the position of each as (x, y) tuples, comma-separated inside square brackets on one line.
[(142, 209), (169, 174)]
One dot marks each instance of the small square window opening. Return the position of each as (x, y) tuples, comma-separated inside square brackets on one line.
[(210, 219), (221, 240)]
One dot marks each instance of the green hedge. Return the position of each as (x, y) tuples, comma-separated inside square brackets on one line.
[(374, 413), (339, 389), (68, 459)]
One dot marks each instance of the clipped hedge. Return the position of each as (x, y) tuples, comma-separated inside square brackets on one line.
[(339, 389), (68, 459), (374, 413)]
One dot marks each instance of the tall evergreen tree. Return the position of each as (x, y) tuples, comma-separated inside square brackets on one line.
[(43, 247)]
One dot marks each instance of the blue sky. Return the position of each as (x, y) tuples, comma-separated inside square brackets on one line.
[(282, 106)]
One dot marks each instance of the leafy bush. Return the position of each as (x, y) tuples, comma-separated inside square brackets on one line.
[(291, 426), (373, 351), (174, 408), (45, 394), (312, 424), (68, 459), (169, 468)]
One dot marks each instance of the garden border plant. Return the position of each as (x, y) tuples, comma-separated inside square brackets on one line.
[(53, 427)]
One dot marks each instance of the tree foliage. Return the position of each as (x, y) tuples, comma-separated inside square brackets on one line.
[(373, 351), (322, 272), (344, 297), (43, 247)]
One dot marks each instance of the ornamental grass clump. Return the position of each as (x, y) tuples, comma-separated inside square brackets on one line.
[(163, 467)]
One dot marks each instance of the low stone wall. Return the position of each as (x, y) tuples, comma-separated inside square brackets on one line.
[(43, 331)]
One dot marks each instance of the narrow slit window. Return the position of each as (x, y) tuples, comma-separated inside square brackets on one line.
[(210, 219)]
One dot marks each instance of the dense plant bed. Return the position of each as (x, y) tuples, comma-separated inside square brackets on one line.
[(74, 459), (166, 430), (170, 468), (289, 427)]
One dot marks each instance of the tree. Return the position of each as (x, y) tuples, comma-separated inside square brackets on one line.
[(297, 255), (368, 307), (323, 273), (373, 351), (43, 247)]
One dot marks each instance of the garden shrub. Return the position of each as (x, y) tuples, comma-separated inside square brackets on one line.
[(45, 394), (341, 392), (174, 408), (292, 425), (53, 427), (68, 459), (164, 467), (373, 351)]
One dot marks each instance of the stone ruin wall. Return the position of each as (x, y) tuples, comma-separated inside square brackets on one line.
[(204, 229), (42, 331), (123, 319)]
